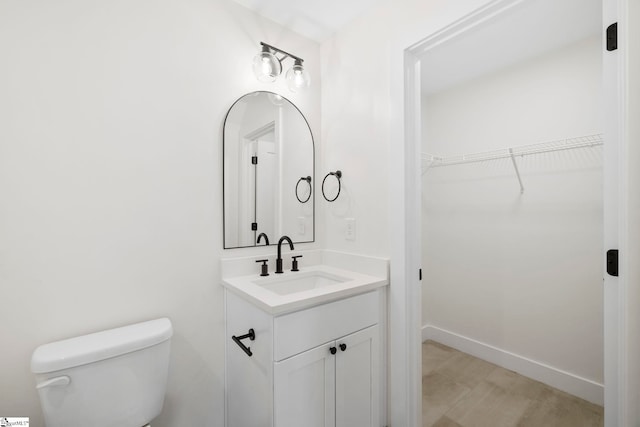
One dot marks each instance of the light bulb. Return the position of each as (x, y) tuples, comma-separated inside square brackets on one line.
[(297, 77), (266, 66)]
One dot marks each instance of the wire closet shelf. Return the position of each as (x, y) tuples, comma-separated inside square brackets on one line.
[(588, 141), (543, 147)]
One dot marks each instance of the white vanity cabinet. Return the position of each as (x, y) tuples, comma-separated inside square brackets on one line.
[(320, 366), (330, 385)]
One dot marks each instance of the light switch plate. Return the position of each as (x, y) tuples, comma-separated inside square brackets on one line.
[(350, 229)]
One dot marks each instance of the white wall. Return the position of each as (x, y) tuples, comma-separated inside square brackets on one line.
[(363, 135), (357, 68), (110, 178), (521, 273)]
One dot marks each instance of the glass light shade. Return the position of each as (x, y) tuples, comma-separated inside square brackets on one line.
[(266, 66), (297, 77)]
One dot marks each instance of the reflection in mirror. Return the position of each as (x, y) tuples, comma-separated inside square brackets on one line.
[(268, 148)]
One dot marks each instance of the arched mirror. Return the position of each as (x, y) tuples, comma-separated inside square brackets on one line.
[(268, 172)]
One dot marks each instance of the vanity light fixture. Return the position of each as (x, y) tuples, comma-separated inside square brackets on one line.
[(267, 67)]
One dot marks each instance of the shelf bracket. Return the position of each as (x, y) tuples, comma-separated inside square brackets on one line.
[(515, 166)]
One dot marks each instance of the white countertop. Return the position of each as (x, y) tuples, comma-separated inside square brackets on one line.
[(364, 274)]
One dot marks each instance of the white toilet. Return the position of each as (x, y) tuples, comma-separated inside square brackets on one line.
[(113, 378)]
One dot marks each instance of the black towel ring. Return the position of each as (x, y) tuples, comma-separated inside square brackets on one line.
[(308, 179), (338, 175)]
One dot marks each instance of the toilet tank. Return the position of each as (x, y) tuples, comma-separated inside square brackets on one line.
[(111, 378)]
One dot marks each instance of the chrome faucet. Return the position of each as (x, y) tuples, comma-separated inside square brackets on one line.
[(266, 239), (279, 259)]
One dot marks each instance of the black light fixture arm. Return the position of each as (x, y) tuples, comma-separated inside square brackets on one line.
[(286, 54)]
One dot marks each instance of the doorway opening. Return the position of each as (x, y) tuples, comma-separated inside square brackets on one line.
[(512, 192)]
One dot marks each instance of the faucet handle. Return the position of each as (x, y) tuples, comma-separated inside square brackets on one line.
[(294, 262), (264, 268)]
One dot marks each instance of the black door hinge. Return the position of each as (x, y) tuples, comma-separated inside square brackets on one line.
[(254, 160), (254, 226), (612, 262), (612, 37)]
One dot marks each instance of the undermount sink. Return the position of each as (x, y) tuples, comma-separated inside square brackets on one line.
[(325, 276), (299, 282)]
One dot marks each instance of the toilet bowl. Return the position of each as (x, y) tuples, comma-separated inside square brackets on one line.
[(113, 378)]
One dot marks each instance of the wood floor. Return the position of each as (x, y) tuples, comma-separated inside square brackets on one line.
[(459, 390)]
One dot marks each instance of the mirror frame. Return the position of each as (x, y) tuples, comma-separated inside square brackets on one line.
[(313, 172)]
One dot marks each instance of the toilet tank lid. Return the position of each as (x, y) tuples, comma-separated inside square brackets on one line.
[(90, 348)]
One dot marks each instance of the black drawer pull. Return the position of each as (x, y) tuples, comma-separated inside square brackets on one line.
[(343, 346), (333, 350), (251, 335)]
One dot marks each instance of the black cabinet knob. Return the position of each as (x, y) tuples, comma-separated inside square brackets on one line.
[(333, 350), (343, 346)]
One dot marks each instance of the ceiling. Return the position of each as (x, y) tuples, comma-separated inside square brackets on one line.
[(529, 29), (314, 19)]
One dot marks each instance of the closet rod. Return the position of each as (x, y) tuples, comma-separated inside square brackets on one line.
[(544, 147)]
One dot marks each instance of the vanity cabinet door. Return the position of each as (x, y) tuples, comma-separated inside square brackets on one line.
[(304, 389), (357, 373)]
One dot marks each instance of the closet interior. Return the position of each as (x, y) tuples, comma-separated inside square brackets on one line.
[(512, 193)]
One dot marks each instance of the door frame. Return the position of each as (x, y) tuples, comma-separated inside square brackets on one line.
[(406, 293)]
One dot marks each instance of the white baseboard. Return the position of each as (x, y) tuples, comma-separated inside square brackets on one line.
[(565, 381)]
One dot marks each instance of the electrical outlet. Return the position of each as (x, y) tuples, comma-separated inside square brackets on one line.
[(350, 229), (301, 225)]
